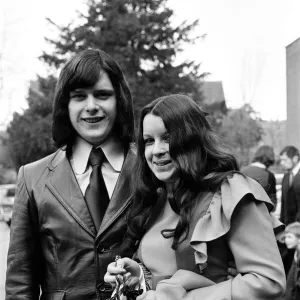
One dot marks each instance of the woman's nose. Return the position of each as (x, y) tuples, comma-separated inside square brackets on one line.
[(159, 148)]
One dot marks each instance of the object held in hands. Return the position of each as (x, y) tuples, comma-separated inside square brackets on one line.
[(123, 292)]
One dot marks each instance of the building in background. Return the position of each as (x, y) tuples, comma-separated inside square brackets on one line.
[(214, 99), (293, 93)]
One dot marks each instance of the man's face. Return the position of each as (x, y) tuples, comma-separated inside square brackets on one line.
[(287, 162), (93, 110)]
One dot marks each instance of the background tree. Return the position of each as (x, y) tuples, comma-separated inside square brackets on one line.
[(139, 34), (274, 134), (241, 130), (252, 69), (30, 132)]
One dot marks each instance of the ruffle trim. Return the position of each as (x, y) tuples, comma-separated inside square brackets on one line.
[(217, 219)]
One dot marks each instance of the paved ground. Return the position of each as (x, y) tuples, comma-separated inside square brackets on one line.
[(4, 240)]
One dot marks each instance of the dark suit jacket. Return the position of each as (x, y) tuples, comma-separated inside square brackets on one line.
[(290, 200), (54, 248), (265, 178), (293, 282)]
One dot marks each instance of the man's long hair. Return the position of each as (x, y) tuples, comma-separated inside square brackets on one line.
[(83, 71)]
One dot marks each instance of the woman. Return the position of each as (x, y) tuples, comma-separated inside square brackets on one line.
[(193, 212)]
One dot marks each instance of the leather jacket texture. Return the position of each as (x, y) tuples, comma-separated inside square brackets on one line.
[(55, 251)]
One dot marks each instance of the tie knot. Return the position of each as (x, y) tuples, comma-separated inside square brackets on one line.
[(96, 157)]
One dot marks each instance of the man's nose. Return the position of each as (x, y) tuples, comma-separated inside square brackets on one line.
[(91, 104)]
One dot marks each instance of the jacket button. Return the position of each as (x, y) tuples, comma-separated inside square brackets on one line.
[(105, 287)]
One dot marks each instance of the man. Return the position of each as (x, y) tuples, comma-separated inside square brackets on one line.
[(290, 196), (70, 208), (57, 247), (290, 199)]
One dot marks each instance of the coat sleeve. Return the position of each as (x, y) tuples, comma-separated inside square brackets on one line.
[(272, 189), (291, 206), (252, 241), (297, 201), (23, 260), (253, 244)]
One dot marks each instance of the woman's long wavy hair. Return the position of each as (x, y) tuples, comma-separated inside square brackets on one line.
[(83, 71), (201, 163)]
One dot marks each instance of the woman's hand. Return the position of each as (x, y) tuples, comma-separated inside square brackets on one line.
[(232, 271), (125, 268)]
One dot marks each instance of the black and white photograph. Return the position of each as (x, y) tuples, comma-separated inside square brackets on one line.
[(149, 150)]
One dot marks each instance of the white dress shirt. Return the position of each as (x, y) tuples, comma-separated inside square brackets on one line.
[(258, 165), (296, 169), (111, 167)]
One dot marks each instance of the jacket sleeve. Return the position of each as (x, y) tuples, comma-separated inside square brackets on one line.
[(297, 202), (284, 205), (252, 242), (23, 260), (272, 189)]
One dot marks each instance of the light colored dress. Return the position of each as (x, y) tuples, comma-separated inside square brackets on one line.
[(231, 224)]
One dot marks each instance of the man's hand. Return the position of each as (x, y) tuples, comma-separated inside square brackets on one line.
[(232, 271)]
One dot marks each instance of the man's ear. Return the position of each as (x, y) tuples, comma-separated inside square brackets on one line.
[(295, 159)]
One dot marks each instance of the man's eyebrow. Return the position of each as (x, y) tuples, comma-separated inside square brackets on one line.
[(104, 90), (109, 91)]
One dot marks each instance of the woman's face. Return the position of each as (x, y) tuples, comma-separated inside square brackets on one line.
[(156, 141)]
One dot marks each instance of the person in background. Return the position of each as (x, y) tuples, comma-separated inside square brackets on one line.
[(193, 211), (290, 196), (290, 200), (292, 241), (259, 170)]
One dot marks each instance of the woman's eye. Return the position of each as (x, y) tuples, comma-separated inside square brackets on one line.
[(167, 138), (148, 141)]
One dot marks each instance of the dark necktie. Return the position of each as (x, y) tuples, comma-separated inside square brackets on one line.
[(290, 179), (96, 193)]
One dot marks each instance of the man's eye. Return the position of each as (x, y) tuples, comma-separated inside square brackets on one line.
[(103, 96), (77, 96)]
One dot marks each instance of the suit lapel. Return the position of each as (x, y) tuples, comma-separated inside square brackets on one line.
[(121, 196), (285, 184), (64, 186), (296, 179)]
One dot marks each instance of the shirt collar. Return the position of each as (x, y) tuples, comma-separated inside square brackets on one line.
[(259, 165), (296, 169), (113, 150)]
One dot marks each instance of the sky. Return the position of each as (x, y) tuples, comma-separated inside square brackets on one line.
[(244, 46)]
